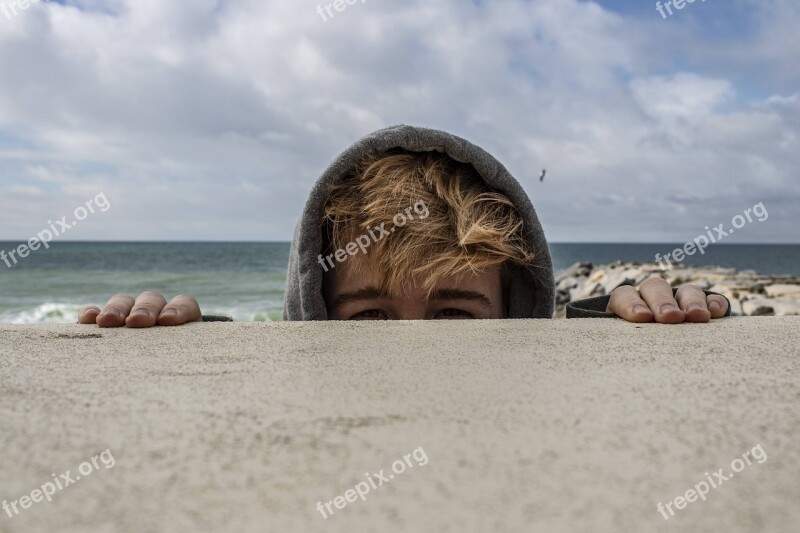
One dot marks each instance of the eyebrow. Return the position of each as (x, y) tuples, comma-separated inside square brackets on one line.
[(366, 293), (459, 294), (373, 293)]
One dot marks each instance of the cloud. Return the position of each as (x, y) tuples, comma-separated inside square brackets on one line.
[(209, 119)]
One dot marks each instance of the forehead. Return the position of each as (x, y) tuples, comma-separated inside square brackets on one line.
[(352, 276)]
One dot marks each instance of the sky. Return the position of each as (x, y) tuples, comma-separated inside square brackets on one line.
[(210, 120)]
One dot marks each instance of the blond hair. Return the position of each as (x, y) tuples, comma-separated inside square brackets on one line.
[(470, 227)]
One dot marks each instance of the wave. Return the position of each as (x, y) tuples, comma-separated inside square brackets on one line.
[(50, 312), (67, 313)]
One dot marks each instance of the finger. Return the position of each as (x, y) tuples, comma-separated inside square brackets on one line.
[(627, 304), (658, 295), (181, 309), (88, 314), (692, 300), (146, 310), (114, 313), (717, 305)]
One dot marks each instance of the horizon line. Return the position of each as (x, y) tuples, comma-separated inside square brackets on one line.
[(193, 241)]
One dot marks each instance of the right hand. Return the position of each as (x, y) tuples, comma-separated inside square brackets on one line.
[(149, 309)]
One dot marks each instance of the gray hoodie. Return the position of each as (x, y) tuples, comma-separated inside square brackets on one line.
[(531, 290)]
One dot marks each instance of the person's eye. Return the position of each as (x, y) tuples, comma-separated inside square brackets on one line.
[(370, 314), (448, 314)]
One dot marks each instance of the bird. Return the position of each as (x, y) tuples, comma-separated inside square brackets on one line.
[(541, 176)]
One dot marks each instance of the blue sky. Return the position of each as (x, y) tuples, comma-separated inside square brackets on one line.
[(210, 120)]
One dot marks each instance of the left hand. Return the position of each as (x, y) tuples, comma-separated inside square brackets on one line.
[(147, 310), (653, 301)]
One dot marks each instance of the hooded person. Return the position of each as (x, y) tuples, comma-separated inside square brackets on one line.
[(415, 223), (412, 215)]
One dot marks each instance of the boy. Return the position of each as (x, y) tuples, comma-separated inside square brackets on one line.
[(413, 223)]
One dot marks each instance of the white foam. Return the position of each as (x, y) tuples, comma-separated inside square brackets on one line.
[(67, 313), (50, 312)]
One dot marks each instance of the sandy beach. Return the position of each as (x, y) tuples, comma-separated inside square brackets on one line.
[(302, 182), (554, 425)]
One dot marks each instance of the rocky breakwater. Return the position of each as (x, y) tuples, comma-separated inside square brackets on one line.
[(750, 293)]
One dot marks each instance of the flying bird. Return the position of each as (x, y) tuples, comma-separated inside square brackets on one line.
[(541, 176)]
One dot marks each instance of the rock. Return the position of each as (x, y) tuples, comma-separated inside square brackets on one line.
[(597, 275), (735, 288), (744, 296), (783, 291), (736, 307), (750, 293), (566, 284), (786, 307), (675, 281), (574, 271), (587, 290), (759, 307), (644, 273), (617, 279), (702, 283)]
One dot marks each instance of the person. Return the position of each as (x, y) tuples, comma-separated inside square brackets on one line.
[(414, 224)]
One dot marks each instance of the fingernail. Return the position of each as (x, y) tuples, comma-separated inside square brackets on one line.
[(693, 307), (714, 306), (169, 312), (141, 312), (666, 308), (640, 309)]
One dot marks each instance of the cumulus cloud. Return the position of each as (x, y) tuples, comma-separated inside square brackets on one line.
[(210, 119)]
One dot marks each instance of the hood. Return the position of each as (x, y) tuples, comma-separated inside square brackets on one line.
[(531, 289)]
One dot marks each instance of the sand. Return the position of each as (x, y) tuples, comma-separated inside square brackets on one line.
[(536, 426)]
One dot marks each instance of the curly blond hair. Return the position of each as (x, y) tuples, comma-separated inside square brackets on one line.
[(469, 228)]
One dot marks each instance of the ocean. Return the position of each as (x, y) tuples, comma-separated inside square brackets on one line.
[(246, 280)]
